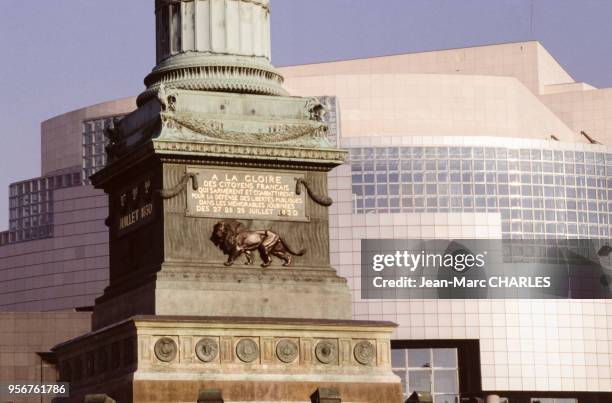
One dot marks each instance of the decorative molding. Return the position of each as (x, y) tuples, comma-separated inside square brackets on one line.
[(316, 109), (213, 272), (326, 352), (305, 133), (211, 78), (207, 349), (364, 352), (176, 190), (325, 201), (247, 350), (167, 99), (284, 351), (226, 354), (287, 350), (116, 141), (327, 156), (244, 163), (165, 349)]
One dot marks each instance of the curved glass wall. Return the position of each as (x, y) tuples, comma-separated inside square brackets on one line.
[(94, 143), (540, 193), (31, 206)]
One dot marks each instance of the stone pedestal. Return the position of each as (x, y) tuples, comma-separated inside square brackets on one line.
[(175, 151), (171, 359), (220, 276), (238, 291), (275, 330)]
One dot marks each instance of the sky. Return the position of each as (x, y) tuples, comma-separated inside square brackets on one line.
[(61, 55)]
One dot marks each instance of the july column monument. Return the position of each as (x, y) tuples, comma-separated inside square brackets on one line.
[(220, 278)]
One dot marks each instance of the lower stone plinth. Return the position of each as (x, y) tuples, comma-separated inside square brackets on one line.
[(266, 391), (171, 359), (243, 291)]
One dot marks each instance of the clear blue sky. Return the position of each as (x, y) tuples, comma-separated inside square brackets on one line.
[(60, 55)]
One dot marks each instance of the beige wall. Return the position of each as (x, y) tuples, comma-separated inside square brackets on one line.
[(578, 105), (435, 104), (61, 138), (23, 335), (589, 111), (63, 272), (70, 269), (549, 70), (518, 60)]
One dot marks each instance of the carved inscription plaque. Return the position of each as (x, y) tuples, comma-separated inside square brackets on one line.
[(135, 207), (262, 195)]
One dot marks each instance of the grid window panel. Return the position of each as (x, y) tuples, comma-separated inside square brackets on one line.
[(94, 144), (428, 370), (544, 186)]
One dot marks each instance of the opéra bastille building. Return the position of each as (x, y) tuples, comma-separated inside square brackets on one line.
[(493, 141)]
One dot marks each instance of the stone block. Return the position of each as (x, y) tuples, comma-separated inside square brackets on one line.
[(326, 395), (98, 399), (210, 396), (168, 358)]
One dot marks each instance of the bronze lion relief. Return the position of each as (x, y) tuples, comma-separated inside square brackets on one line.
[(234, 239)]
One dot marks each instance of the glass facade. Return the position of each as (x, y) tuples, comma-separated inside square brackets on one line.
[(539, 193), (430, 370), (31, 206), (31, 201), (94, 143)]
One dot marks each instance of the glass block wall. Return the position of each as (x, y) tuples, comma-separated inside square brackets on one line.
[(31, 201), (94, 143), (31, 206), (540, 193)]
